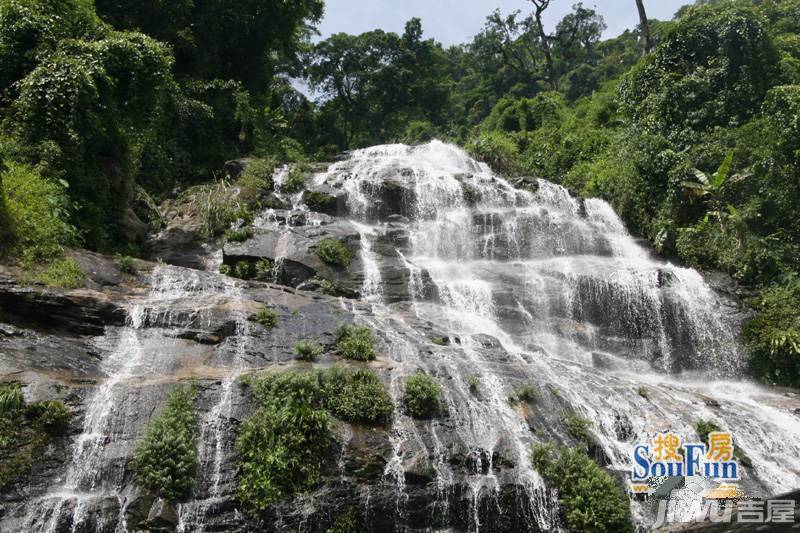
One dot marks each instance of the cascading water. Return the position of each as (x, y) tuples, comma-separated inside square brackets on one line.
[(580, 308), (482, 285)]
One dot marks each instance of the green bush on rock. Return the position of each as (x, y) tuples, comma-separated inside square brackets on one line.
[(281, 447), (64, 274), (422, 396), (333, 252), (267, 317), (308, 350), (773, 336), (356, 395), (165, 458), (590, 498), (355, 342)]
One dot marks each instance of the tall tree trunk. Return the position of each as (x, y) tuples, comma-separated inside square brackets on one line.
[(647, 41), (541, 6)]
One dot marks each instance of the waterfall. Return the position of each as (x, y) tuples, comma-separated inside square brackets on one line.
[(484, 286), (577, 306)]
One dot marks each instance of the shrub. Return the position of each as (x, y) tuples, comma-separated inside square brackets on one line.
[(239, 235), (704, 428), (326, 287), (356, 395), (345, 523), (308, 350), (333, 252), (577, 427), (643, 392), (589, 497), (36, 215), (355, 342), (264, 270), (256, 179), (422, 396), (526, 394), (53, 416), (165, 458), (474, 383), (244, 270), (281, 447), (126, 264), (267, 317), (65, 274), (773, 336)]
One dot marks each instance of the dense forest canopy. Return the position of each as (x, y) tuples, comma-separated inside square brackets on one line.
[(110, 105)]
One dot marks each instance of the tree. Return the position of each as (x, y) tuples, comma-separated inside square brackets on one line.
[(644, 25), (540, 6)]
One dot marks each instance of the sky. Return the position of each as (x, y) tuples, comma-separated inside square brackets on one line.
[(457, 21)]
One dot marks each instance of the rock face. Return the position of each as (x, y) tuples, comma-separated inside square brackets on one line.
[(489, 288)]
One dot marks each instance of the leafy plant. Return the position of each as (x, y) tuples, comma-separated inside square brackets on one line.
[(643, 392), (577, 427), (239, 235), (281, 447), (590, 498), (333, 252), (295, 180), (64, 274), (422, 396), (320, 202), (126, 264), (308, 350), (165, 458), (355, 342), (525, 393), (356, 395), (474, 383), (267, 317), (704, 428)]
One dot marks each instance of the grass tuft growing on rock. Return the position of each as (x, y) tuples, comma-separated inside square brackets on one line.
[(526, 393), (355, 342), (64, 274), (333, 252), (422, 396), (577, 427), (267, 317), (165, 458), (590, 498), (308, 350)]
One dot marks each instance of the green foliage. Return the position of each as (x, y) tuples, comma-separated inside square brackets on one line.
[(36, 214), (773, 336), (713, 69), (267, 317), (577, 427), (356, 395), (346, 522), (590, 498), (422, 396), (308, 350), (643, 392), (64, 274), (333, 252), (282, 446), (320, 202), (704, 428), (239, 235), (26, 431), (326, 287), (355, 342), (474, 383), (497, 150), (527, 393), (440, 341), (257, 179), (165, 458), (296, 179), (126, 264)]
